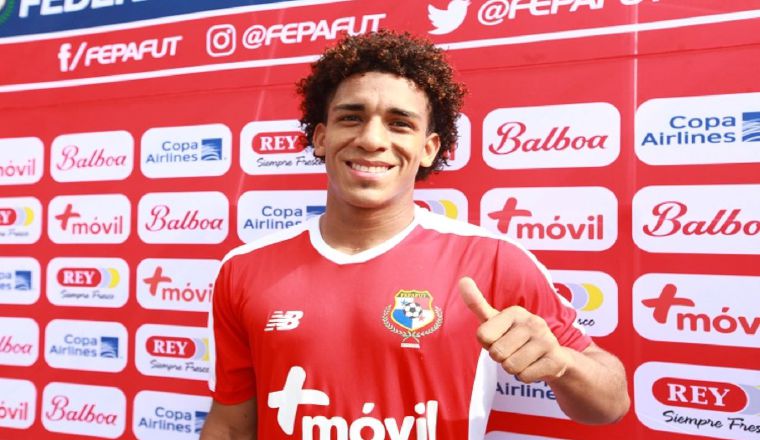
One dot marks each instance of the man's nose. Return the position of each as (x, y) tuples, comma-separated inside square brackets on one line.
[(373, 136)]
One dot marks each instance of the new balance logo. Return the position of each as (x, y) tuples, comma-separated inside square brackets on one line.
[(284, 320)]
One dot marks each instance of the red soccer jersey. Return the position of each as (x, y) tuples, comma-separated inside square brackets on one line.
[(373, 345)]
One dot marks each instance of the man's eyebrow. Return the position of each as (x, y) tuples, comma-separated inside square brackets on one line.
[(405, 113), (393, 110), (349, 107)]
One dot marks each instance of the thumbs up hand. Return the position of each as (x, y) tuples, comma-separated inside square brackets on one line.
[(515, 338)]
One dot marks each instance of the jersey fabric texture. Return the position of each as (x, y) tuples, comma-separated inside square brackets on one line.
[(377, 344)]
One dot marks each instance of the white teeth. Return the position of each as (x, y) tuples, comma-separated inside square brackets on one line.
[(369, 169)]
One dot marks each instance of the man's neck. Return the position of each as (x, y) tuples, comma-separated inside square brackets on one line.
[(351, 230)]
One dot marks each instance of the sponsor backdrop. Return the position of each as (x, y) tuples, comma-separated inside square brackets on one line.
[(140, 140)]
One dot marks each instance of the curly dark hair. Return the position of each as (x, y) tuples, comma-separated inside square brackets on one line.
[(400, 54)]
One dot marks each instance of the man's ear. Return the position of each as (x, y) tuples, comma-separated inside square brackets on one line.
[(432, 145), (318, 139)]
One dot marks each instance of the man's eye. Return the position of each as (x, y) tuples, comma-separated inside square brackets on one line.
[(349, 118), (401, 123)]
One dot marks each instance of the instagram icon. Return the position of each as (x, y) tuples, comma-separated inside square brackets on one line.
[(220, 40)]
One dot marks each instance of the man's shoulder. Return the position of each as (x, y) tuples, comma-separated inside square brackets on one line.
[(273, 242)]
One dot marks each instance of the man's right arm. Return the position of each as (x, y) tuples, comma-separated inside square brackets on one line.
[(231, 422)]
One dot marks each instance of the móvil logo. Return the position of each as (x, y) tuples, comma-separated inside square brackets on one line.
[(20, 220), (197, 150), (558, 136), (176, 284), (451, 203), (19, 280), (553, 218), (698, 400), (593, 295), (277, 147), (88, 282), (189, 217), (154, 412), (19, 341), (102, 218), (21, 159), (84, 410), (86, 345), (85, 157), (699, 130), (702, 219), (172, 351), (699, 309), (19, 403), (262, 212)]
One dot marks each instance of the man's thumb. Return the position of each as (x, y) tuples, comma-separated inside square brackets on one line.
[(475, 300)]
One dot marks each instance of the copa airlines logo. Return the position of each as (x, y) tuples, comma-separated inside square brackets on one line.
[(18, 404), (525, 398), (84, 410), (86, 345), (593, 295), (263, 212), (84, 157), (700, 309), (196, 150), (172, 351), (88, 282), (277, 147), (447, 202), (19, 341), (568, 218), (19, 280), (557, 136), (89, 219), (176, 284), (698, 401), (21, 160), (190, 217), (699, 130), (168, 415), (701, 219), (20, 220)]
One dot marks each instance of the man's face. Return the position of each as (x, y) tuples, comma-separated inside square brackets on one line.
[(375, 139)]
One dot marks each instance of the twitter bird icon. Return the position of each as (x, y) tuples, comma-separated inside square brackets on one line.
[(447, 20)]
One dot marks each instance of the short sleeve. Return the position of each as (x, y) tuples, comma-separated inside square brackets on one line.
[(232, 378), (522, 280)]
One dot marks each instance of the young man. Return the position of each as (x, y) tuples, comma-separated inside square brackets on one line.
[(380, 320)]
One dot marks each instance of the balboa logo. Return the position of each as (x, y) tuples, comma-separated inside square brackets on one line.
[(17, 407), (550, 218), (701, 309), (20, 220), (19, 280), (720, 219), (19, 341), (176, 284), (697, 400), (21, 159), (86, 345), (198, 150), (276, 147), (179, 416), (85, 410), (447, 202), (172, 351), (593, 295), (263, 212), (525, 398), (559, 136), (191, 217), (84, 157), (699, 130), (88, 282), (89, 219)]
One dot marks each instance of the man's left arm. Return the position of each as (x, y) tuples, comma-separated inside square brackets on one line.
[(590, 385)]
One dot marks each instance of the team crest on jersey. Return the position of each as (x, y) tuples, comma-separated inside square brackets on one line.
[(412, 316)]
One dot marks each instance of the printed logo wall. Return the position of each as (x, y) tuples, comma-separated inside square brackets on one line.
[(166, 143)]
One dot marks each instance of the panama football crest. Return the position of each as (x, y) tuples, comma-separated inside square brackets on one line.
[(412, 316)]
